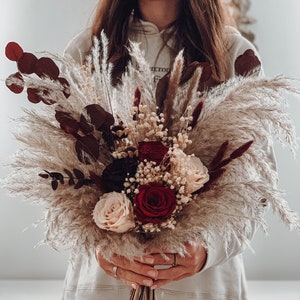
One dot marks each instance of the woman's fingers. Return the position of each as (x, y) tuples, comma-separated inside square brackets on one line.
[(172, 273), (168, 259), (150, 270), (160, 282), (134, 266), (132, 277), (131, 272), (179, 266)]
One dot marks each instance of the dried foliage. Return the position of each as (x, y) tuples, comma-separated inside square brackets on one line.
[(70, 139)]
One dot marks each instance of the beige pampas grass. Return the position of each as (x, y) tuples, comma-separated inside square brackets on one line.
[(240, 110)]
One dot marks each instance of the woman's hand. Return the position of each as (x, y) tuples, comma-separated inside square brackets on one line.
[(147, 270), (133, 273), (180, 267)]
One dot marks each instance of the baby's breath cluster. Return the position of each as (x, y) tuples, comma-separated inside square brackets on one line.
[(148, 125), (181, 140)]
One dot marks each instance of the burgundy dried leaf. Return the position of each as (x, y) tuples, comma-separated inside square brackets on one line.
[(109, 120), (15, 83), (78, 174), (57, 176), (70, 175), (43, 175), (85, 126), (87, 148), (26, 63), (98, 116), (219, 156), (137, 97), (100, 119), (196, 113), (69, 125), (246, 63), (79, 184), (45, 66), (60, 115), (241, 150), (33, 95), (161, 90), (65, 85), (13, 51), (54, 184), (36, 95)]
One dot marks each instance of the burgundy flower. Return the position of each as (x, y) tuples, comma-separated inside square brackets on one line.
[(152, 151), (154, 203), (114, 175)]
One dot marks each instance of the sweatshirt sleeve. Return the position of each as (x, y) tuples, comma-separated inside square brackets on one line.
[(218, 253), (79, 46), (237, 45)]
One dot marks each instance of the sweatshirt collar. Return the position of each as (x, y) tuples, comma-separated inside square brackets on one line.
[(139, 25)]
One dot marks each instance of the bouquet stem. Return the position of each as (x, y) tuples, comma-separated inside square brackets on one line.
[(142, 293)]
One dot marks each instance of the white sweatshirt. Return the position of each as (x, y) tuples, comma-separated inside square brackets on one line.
[(223, 276)]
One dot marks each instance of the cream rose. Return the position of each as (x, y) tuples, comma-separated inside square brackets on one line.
[(114, 212), (197, 175), (191, 168)]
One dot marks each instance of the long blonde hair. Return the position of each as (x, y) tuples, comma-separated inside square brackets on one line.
[(198, 29)]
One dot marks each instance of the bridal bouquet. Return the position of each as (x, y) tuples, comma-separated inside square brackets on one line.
[(135, 167)]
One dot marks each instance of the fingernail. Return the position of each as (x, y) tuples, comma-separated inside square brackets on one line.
[(148, 259), (147, 282), (134, 286), (152, 273), (153, 287)]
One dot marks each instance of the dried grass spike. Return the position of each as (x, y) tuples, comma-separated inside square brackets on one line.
[(219, 156), (196, 113), (192, 89), (241, 150), (172, 89)]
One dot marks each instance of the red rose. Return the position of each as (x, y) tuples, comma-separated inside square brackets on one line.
[(154, 203), (152, 151)]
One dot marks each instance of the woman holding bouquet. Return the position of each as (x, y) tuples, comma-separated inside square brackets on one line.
[(209, 270)]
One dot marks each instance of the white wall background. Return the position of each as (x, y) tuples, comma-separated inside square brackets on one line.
[(278, 255), (37, 25), (47, 25)]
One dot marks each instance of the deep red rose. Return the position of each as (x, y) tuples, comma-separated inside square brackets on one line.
[(152, 151), (154, 203)]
